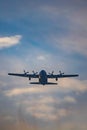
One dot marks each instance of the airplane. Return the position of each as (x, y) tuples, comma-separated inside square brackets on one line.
[(43, 76)]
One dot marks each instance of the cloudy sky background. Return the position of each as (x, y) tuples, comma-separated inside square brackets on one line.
[(50, 35)]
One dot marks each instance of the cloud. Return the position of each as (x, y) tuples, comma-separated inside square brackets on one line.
[(45, 111), (74, 84), (69, 99), (66, 85), (72, 43), (67, 17), (19, 91), (71, 22), (59, 23), (41, 57), (6, 42), (8, 65)]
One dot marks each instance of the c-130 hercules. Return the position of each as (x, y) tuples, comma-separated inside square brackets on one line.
[(43, 76)]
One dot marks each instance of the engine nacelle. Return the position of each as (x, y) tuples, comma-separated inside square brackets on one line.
[(56, 79), (29, 78)]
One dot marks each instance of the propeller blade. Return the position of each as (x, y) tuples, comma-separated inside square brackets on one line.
[(25, 72), (34, 72), (61, 72), (51, 73)]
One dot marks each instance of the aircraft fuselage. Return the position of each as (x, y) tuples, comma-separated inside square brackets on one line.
[(43, 77)]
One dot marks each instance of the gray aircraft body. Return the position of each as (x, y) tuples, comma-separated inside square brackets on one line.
[(43, 76)]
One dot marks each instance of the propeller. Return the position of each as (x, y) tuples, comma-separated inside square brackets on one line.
[(26, 72), (61, 72), (51, 73), (34, 72)]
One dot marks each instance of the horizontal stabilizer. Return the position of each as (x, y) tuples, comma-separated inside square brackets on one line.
[(34, 83), (48, 83)]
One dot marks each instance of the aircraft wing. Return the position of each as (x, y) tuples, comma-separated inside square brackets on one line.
[(24, 75), (62, 76)]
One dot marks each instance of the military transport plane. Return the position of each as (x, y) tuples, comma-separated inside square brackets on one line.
[(43, 76)]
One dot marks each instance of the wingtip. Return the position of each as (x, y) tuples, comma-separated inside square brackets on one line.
[(9, 73)]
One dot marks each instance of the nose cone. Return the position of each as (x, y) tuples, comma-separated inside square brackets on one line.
[(43, 72)]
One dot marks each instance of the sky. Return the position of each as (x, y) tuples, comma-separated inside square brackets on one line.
[(49, 35)]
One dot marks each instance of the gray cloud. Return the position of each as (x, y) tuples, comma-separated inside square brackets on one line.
[(26, 7), (71, 23)]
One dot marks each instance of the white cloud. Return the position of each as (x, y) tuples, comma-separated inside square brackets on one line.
[(69, 99), (19, 91), (74, 84), (45, 107), (65, 85), (41, 57), (72, 43), (9, 41), (46, 111)]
